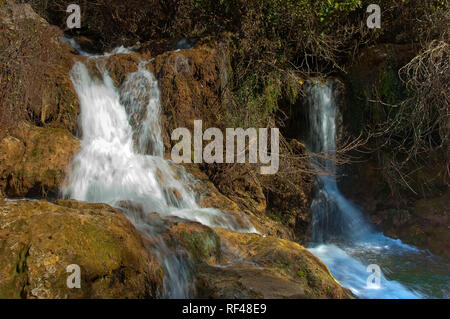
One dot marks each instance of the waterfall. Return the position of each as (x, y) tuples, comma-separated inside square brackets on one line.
[(341, 237), (333, 216), (121, 163)]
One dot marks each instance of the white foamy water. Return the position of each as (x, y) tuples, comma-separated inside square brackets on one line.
[(352, 273), (345, 241), (121, 159), (80, 51)]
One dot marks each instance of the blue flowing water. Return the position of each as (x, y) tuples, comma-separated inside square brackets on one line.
[(345, 241)]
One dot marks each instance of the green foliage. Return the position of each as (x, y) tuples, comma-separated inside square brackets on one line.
[(279, 42), (330, 8), (392, 91)]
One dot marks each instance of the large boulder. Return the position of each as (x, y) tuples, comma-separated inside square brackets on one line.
[(38, 240), (230, 265), (33, 161)]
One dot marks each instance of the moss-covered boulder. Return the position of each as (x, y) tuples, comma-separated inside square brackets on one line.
[(229, 264), (33, 161), (38, 240), (200, 241), (255, 266)]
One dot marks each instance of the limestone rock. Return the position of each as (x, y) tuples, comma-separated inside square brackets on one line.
[(38, 240), (33, 161), (39, 86), (228, 264)]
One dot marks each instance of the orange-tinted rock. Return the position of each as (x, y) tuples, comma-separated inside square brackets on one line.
[(38, 240), (38, 87), (240, 265), (34, 160)]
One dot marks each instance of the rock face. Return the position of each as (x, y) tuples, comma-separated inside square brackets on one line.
[(424, 224), (38, 105), (422, 221), (35, 71), (33, 161), (38, 240)]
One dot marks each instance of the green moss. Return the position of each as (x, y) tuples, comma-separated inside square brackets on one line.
[(101, 250), (10, 290), (281, 266), (202, 245), (300, 273), (259, 98)]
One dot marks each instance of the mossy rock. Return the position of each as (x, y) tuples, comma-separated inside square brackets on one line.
[(255, 266), (200, 241), (37, 161), (38, 240)]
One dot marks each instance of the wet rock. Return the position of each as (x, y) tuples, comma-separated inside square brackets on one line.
[(427, 225), (38, 240), (200, 241), (228, 264), (119, 66), (422, 222), (175, 193)]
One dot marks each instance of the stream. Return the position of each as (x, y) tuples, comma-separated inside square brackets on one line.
[(121, 159), (345, 241)]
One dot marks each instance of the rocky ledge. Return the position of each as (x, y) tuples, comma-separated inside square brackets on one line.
[(38, 240)]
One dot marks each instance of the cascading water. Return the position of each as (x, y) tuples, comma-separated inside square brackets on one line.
[(121, 163), (333, 216), (343, 239)]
